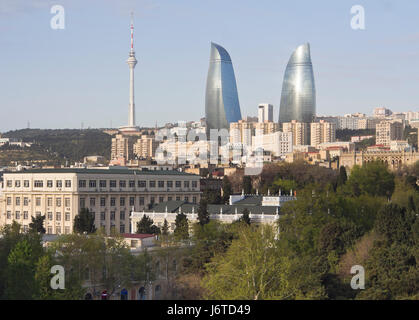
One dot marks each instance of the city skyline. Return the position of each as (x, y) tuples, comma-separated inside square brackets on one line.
[(77, 75)]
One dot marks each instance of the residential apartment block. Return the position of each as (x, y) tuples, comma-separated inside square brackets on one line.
[(300, 132), (145, 147), (278, 143), (322, 132), (243, 131), (388, 131)]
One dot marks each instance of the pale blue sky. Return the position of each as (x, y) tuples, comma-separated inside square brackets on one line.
[(60, 78)]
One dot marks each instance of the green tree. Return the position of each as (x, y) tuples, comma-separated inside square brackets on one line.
[(391, 269), (95, 262), (10, 237), (203, 214), (247, 185), (165, 228), (43, 278), (146, 226), (20, 273), (84, 222), (251, 269), (245, 217), (373, 179), (343, 177), (37, 224), (181, 231), (212, 197), (284, 185), (227, 189), (212, 238)]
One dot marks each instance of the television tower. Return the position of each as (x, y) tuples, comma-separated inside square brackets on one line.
[(132, 61)]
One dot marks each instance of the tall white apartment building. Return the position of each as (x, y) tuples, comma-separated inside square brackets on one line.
[(122, 147), (322, 132), (278, 143), (265, 113), (145, 147), (266, 127), (388, 131), (111, 194), (300, 132), (241, 132)]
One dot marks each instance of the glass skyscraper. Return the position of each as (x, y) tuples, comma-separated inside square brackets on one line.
[(298, 99), (221, 99)]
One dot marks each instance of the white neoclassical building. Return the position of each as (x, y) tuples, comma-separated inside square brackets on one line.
[(111, 194), (262, 209)]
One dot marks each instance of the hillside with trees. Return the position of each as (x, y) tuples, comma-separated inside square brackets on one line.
[(57, 146)]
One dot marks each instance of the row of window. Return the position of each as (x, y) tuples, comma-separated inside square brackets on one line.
[(38, 201), (140, 184), (131, 201), (25, 215), (58, 230), (17, 215), (122, 216), (49, 229), (113, 227), (39, 183)]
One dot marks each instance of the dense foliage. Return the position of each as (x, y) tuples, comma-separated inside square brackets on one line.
[(369, 218), (64, 144), (91, 262), (146, 226)]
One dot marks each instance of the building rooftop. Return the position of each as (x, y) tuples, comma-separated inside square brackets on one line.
[(106, 171), (254, 207)]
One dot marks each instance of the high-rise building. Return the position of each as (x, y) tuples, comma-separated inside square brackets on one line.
[(368, 123), (145, 147), (298, 99), (265, 113), (322, 132), (122, 147), (243, 131), (266, 127), (388, 131), (300, 132), (132, 62), (221, 101), (348, 122), (278, 143), (382, 112)]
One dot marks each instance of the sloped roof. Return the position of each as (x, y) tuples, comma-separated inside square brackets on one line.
[(253, 206)]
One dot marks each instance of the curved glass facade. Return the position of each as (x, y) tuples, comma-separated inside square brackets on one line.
[(298, 99), (221, 98)]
